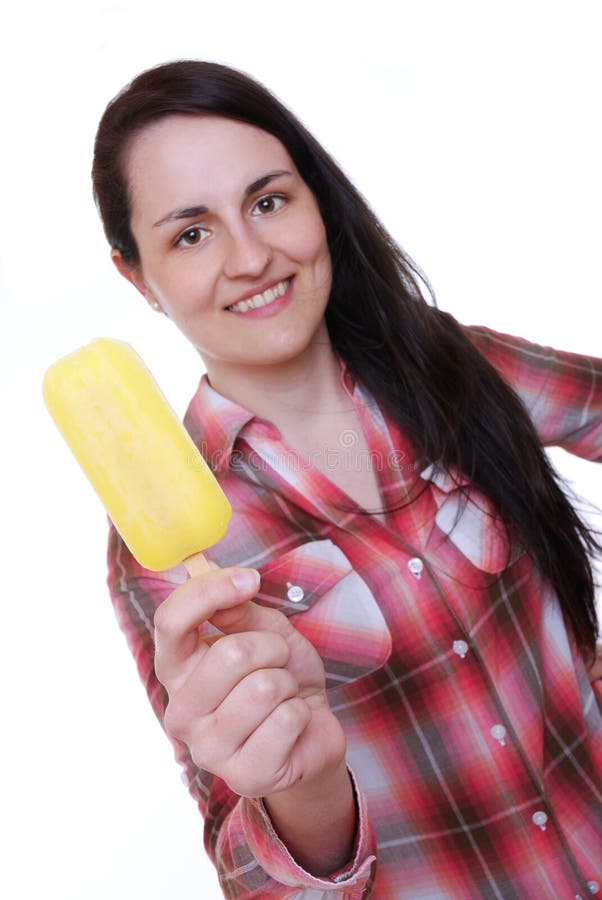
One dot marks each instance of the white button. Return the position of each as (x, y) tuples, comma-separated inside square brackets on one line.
[(416, 566), (295, 593), (461, 648), (593, 887), (540, 818), (499, 733)]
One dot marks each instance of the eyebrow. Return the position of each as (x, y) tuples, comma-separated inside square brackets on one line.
[(191, 212)]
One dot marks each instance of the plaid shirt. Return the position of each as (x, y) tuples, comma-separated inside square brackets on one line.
[(474, 735)]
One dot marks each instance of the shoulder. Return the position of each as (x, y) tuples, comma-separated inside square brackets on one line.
[(561, 390)]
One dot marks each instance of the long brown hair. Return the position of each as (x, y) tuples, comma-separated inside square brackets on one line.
[(415, 360)]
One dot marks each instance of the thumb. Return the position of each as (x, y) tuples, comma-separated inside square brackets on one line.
[(249, 616)]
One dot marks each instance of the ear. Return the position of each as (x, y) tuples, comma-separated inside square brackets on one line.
[(133, 274)]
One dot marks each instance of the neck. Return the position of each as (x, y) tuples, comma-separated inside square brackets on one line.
[(308, 385)]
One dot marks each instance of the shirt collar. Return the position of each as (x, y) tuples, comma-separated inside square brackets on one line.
[(215, 422)]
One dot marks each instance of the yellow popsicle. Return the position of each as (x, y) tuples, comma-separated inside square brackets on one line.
[(155, 485)]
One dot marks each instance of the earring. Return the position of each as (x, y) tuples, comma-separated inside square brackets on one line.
[(156, 305)]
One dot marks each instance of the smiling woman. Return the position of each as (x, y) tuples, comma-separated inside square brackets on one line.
[(220, 256), (398, 704)]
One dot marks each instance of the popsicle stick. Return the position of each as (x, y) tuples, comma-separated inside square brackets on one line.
[(197, 565)]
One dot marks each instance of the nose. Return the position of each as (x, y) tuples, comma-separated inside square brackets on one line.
[(247, 253)]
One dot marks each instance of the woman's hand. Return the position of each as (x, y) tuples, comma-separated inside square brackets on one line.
[(251, 706)]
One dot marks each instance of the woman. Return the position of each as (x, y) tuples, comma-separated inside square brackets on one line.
[(399, 706)]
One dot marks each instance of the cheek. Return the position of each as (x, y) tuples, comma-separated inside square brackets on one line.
[(321, 250), (183, 287), (311, 244)]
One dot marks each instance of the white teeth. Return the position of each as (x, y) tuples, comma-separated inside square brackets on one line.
[(258, 300)]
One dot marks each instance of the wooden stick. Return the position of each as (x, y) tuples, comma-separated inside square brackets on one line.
[(197, 565)]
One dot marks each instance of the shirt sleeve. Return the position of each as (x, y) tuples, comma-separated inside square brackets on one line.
[(251, 860), (561, 391)]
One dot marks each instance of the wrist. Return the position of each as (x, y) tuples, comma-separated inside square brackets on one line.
[(317, 820), (313, 791)]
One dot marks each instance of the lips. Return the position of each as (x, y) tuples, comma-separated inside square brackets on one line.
[(256, 301)]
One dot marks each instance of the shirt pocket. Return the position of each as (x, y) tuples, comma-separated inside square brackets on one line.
[(331, 605), (467, 518)]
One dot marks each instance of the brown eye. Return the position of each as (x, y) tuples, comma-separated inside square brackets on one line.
[(268, 204), (191, 237)]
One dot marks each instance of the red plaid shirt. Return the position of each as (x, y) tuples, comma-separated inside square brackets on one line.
[(473, 731)]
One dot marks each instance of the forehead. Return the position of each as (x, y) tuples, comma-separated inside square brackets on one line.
[(208, 154)]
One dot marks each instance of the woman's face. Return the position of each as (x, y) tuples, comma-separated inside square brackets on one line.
[(232, 245)]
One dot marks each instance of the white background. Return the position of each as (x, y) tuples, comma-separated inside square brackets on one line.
[(474, 130)]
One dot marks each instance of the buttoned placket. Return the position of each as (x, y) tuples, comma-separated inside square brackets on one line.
[(540, 818), (270, 447)]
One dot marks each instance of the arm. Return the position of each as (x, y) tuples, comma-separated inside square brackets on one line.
[(261, 848), (561, 391), (317, 822)]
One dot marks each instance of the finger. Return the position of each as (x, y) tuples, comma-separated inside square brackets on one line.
[(228, 662), (218, 597), (266, 762), (178, 618), (251, 617), (300, 738), (218, 737)]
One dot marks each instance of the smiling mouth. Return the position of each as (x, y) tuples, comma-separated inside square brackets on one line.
[(264, 299)]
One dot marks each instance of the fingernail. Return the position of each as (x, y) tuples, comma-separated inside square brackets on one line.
[(246, 580)]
